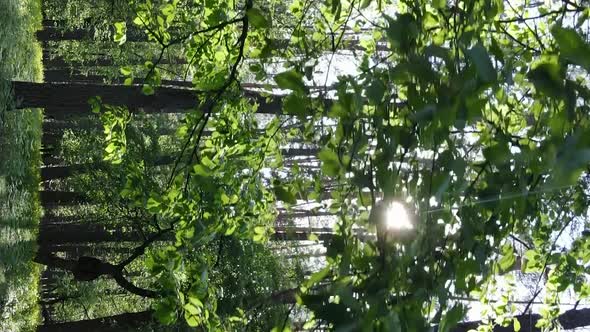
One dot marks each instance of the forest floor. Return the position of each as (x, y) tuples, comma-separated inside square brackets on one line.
[(20, 137)]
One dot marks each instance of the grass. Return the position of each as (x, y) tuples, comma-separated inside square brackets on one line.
[(20, 137)]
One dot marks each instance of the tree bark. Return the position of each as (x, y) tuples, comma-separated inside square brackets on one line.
[(73, 97), (61, 172), (104, 61), (52, 198), (59, 126), (121, 322), (56, 34), (69, 76), (83, 233)]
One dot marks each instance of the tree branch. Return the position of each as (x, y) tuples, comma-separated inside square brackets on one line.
[(131, 288), (141, 249)]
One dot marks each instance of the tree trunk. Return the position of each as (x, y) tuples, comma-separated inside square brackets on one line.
[(59, 126), (116, 323), (50, 219), (74, 97), (56, 34), (52, 198), (53, 235), (50, 140), (68, 75), (60, 172), (104, 61), (83, 233)]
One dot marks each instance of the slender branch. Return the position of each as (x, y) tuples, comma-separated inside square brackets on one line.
[(523, 19), (131, 288), (141, 249), (524, 244), (209, 29)]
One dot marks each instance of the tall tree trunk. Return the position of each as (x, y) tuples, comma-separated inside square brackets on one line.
[(53, 63), (52, 33), (83, 233), (69, 75), (50, 219), (116, 323), (52, 198), (73, 97), (50, 140), (59, 126), (60, 172), (54, 235)]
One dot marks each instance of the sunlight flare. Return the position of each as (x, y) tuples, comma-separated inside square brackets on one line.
[(397, 218)]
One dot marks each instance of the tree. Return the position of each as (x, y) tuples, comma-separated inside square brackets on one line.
[(73, 97), (121, 322)]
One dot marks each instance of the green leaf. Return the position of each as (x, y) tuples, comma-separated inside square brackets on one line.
[(402, 31), (516, 324), (284, 194), (330, 162), (207, 162), (295, 104), (365, 4), (572, 46), (166, 312), (126, 71), (202, 170), (583, 17), (508, 258), (190, 308), (483, 65), (376, 91), (497, 154), (147, 90), (256, 18), (225, 199), (120, 32), (317, 277), (192, 321), (439, 4), (548, 77), (153, 205), (291, 80), (167, 9), (95, 104), (532, 262), (451, 318)]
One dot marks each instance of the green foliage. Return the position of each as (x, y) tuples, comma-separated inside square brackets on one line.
[(572, 46), (115, 121), (470, 113), (291, 80)]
